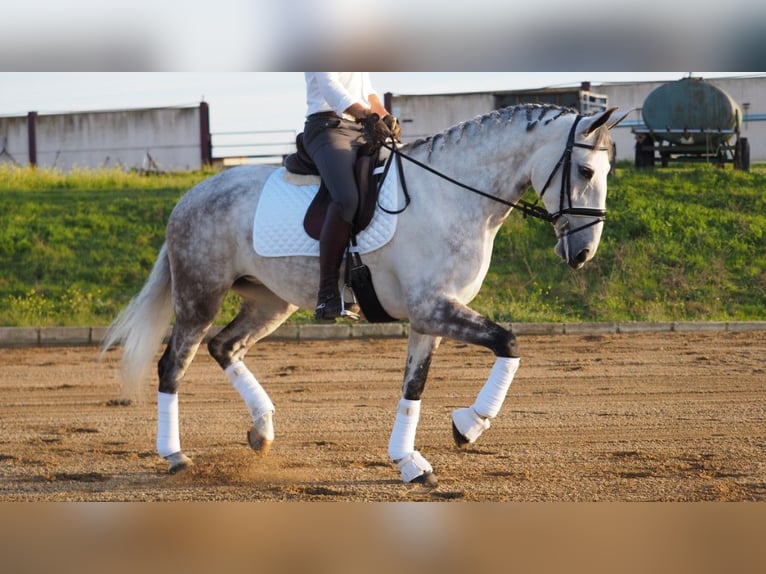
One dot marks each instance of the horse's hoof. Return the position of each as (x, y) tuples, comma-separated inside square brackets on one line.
[(261, 434), (258, 442), (416, 470), (427, 479), (178, 462), (460, 440), (467, 426)]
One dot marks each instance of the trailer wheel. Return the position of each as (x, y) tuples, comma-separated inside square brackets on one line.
[(644, 155), (742, 154)]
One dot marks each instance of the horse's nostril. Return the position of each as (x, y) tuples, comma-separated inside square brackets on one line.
[(582, 257)]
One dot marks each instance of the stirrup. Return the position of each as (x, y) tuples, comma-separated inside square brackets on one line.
[(352, 311)]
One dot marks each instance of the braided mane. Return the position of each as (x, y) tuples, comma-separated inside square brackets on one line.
[(533, 114)]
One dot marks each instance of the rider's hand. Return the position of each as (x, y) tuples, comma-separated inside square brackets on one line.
[(393, 124), (376, 129)]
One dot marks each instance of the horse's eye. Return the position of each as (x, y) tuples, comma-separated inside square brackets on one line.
[(585, 171)]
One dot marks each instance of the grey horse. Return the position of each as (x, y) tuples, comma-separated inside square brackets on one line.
[(427, 274)]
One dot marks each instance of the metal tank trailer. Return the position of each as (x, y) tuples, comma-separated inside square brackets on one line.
[(692, 120)]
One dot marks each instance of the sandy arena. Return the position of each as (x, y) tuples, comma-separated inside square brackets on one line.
[(631, 417)]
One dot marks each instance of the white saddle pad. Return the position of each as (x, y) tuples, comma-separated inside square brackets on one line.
[(278, 223)]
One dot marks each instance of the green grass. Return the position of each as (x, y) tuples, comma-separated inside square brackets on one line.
[(684, 243), (679, 244), (74, 247)]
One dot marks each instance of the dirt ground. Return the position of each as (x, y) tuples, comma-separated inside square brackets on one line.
[(632, 417)]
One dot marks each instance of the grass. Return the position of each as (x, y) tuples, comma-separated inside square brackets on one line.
[(679, 244), (73, 247), (685, 243)]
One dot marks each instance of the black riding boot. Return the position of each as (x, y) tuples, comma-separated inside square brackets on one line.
[(333, 241)]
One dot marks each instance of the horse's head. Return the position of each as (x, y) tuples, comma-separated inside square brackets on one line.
[(571, 179)]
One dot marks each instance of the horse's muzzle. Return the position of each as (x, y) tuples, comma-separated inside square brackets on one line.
[(577, 246), (579, 259), (575, 257)]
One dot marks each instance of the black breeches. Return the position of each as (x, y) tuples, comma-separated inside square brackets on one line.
[(333, 144)]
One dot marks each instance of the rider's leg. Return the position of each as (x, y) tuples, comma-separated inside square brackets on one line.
[(333, 241), (333, 147)]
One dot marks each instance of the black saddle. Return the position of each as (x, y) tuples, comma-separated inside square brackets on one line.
[(367, 183)]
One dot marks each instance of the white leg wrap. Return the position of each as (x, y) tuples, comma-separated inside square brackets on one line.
[(168, 439), (413, 466), (469, 423), (251, 391), (402, 441), (492, 394), (474, 420)]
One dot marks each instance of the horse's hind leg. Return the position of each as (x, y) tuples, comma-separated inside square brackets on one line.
[(171, 368), (193, 319), (260, 314), (413, 466)]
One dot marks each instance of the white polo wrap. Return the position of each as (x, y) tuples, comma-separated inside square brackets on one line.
[(402, 441), (168, 439), (251, 391), (474, 420), (492, 394)]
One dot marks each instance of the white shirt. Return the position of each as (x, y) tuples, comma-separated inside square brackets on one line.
[(336, 91)]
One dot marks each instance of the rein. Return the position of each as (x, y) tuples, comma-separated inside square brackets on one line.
[(527, 208)]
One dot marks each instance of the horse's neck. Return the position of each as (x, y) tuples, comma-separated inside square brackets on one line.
[(494, 160)]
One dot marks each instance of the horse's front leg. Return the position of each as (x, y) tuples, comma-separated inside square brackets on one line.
[(457, 321), (413, 466)]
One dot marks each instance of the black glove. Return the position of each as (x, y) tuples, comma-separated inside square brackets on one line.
[(393, 125), (376, 129)]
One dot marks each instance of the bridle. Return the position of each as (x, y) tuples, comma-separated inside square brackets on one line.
[(527, 208), (565, 196)]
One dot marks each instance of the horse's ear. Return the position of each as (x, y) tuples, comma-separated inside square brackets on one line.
[(592, 123), (617, 118)]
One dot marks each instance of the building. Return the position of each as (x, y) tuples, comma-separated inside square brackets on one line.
[(424, 115)]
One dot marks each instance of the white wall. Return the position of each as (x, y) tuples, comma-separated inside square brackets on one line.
[(426, 115), (171, 137), (14, 140)]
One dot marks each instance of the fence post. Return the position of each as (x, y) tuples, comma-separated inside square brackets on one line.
[(32, 137), (206, 146), (388, 100)]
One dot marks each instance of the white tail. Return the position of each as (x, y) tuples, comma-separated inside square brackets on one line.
[(140, 327)]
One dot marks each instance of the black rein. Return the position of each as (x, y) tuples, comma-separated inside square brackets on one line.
[(527, 208)]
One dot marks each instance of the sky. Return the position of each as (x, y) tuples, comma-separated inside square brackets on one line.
[(94, 55), (251, 101)]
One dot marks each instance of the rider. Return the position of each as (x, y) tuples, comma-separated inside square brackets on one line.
[(343, 113)]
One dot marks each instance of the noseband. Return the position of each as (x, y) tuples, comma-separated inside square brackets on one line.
[(565, 163)]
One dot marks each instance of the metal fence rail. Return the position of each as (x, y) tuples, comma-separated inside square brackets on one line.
[(252, 146)]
